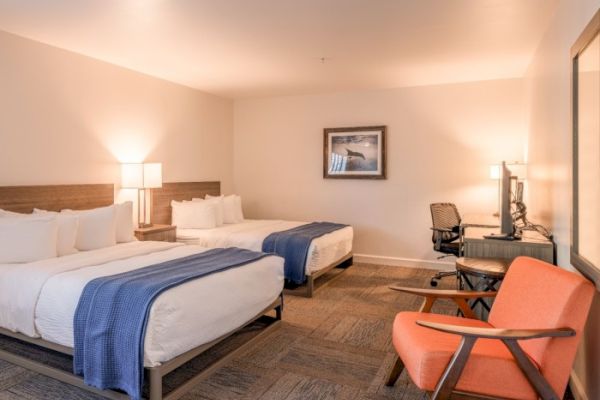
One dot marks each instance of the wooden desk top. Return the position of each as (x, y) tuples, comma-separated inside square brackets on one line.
[(534, 238), (486, 267)]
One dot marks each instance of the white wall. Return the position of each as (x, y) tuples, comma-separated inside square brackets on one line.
[(66, 118), (548, 87), (441, 141)]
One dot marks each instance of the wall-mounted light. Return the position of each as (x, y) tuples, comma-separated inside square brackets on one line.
[(143, 177)]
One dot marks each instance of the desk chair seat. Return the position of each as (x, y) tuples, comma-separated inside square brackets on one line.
[(450, 248), (426, 353), (524, 351)]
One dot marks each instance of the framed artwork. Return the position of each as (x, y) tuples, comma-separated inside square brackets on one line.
[(585, 97), (354, 153)]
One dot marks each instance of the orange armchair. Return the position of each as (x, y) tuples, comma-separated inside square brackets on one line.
[(525, 351)]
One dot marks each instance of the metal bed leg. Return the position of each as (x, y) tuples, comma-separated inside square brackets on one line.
[(310, 286), (278, 313), (156, 392)]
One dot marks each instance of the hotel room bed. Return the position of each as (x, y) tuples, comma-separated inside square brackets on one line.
[(250, 234), (43, 296), (38, 300), (328, 251)]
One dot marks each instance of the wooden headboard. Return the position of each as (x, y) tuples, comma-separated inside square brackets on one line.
[(161, 198), (24, 199)]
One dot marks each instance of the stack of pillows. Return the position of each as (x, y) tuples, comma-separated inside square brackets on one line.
[(48, 234), (210, 212)]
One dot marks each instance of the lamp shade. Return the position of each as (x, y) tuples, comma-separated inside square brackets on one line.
[(132, 176), (495, 172), (152, 175)]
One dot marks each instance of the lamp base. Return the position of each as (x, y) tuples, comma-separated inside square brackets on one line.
[(143, 225)]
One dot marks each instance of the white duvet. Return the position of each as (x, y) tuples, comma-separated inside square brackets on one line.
[(39, 299), (250, 234)]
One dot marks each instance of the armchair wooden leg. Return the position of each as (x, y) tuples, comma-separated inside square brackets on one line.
[(450, 377), (535, 378), (395, 372)]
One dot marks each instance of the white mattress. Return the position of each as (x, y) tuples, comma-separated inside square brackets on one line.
[(39, 299), (250, 234)]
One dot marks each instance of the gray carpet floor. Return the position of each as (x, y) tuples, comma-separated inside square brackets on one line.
[(336, 345)]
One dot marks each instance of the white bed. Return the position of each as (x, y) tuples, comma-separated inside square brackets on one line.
[(39, 299), (250, 234)]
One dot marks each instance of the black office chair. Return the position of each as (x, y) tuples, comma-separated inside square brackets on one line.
[(446, 231)]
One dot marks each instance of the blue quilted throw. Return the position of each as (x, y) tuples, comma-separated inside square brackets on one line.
[(293, 246), (112, 315)]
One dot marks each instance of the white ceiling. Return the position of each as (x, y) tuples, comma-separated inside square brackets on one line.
[(244, 48)]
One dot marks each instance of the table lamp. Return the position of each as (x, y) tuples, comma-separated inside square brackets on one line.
[(143, 177)]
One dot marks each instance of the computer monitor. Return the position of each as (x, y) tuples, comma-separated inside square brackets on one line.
[(507, 226)]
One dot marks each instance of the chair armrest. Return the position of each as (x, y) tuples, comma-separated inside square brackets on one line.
[(444, 294), (494, 333), (460, 297)]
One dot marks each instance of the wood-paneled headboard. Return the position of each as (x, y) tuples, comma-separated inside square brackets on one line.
[(178, 191), (24, 199)]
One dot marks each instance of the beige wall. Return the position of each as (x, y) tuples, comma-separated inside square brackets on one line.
[(548, 87), (441, 140), (66, 118)]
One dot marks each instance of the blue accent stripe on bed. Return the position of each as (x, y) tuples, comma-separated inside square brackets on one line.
[(112, 315), (293, 245)]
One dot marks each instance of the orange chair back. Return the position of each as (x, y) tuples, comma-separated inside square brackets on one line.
[(535, 295)]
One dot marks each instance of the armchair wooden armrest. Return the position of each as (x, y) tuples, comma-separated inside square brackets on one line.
[(444, 293), (495, 333), (510, 339), (460, 297)]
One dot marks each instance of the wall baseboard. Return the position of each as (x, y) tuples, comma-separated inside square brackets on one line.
[(404, 262), (577, 387)]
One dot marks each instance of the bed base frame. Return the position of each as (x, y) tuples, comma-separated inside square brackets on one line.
[(154, 375), (310, 288)]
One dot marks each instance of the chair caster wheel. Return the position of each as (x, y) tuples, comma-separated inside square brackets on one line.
[(433, 283)]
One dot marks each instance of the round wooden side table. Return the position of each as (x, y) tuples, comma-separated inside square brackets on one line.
[(481, 274)]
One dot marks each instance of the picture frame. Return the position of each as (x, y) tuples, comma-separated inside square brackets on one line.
[(585, 103), (354, 152)]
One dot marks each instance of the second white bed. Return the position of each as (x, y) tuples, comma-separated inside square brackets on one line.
[(250, 234)]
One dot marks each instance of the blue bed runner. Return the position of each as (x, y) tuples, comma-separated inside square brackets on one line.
[(112, 315), (293, 245)]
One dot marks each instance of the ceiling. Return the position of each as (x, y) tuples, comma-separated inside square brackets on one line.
[(249, 48)]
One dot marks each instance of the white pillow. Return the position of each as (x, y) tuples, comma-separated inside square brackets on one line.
[(220, 208), (97, 227), (24, 240), (194, 214), (5, 213), (239, 213), (232, 208), (68, 226), (124, 233)]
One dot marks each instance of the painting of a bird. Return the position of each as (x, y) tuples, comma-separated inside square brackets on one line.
[(355, 154)]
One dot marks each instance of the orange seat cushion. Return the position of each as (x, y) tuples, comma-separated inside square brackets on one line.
[(491, 368)]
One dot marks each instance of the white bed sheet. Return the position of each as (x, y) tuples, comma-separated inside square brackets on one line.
[(185, 317), (250, 234)]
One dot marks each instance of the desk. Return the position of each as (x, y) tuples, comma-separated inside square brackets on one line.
[(533, 244)]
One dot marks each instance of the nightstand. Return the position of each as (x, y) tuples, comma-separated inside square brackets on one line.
[(158, 233)]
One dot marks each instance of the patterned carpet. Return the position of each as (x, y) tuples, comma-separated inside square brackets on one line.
[(333, 346)]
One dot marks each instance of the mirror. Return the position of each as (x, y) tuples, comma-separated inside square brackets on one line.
[(585, 243)]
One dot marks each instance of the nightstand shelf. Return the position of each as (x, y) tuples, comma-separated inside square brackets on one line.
[(157, 233)]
